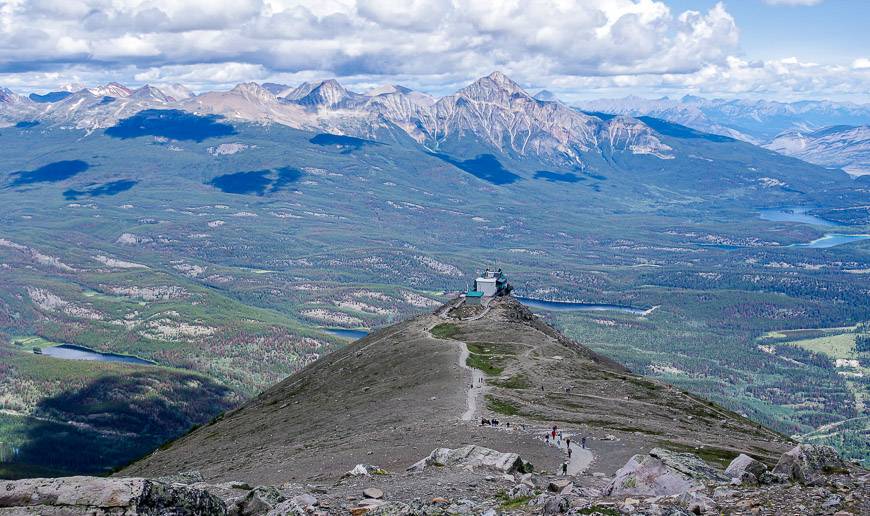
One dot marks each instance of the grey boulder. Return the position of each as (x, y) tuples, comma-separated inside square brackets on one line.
[(805, 462), (661, 473), (105, 496), (746, 469), (473, 457)]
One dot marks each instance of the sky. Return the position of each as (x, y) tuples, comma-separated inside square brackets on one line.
[(579, 49)]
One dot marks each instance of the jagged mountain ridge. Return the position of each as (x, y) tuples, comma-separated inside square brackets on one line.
[(494, 110), (845, 147), (395, 395)]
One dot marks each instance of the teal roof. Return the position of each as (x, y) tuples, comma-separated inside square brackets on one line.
[(473, 293)]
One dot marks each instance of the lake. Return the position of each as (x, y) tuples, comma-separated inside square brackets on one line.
[(73, 352), (567, 306), (346, 333), (792, 214), (831, 240)]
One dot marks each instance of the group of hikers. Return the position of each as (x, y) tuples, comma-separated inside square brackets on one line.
[(554, 436)]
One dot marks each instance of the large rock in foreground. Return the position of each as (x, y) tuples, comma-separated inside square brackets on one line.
[(474, 457), (805, 462), (104, 497), (661, 473)]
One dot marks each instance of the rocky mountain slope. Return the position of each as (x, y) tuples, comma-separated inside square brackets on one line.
[(447, 414), (404, 390), (845, 147)]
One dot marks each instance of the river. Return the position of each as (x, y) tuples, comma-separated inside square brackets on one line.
[(568, 306)]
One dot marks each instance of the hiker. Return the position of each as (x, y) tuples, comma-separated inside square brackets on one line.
[(569, 452), (568, 442), (547, 438), (583, 442), (564, 468)]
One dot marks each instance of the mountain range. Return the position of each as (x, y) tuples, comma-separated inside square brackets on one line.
[(831, 134), (494, 108)]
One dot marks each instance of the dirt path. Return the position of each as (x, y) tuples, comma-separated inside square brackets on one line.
[(581, 458), (477, 386)]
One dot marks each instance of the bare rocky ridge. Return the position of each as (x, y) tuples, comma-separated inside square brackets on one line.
[(378, 428), (391, 398)]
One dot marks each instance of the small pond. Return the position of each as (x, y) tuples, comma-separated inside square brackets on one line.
[(793, 215), (567, 306), (73, 352), (345, 333)]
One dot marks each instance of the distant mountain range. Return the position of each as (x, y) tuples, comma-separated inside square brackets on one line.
[(497, 112), (840, 146), (831, 134)]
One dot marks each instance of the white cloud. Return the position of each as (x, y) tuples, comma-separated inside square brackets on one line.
[(436, 45)]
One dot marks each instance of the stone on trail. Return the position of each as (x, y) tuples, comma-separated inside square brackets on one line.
[(105, 496), (474, 457), (373, 492), (365, 470), (261, 500), (661, 473), (558, 485), (805, 462)]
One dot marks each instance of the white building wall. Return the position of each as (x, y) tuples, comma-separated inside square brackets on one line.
[(485, 285)]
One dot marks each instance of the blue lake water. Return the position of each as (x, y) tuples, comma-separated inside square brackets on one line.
[(567, 306), (73, 352), (832, 240), (794, 215), (347, 334)]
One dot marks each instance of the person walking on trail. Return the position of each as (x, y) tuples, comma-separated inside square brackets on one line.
[(568, 442), (583, 442), (569, 452), (564, 468), (547, 438)]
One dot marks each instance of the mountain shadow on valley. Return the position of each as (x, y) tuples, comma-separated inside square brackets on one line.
[(111, 188), (556, 177), (26, 124), (50, 173), (48, 98), (257, 182), (347, 144), (116, 419), (485, 167), (171, 123)]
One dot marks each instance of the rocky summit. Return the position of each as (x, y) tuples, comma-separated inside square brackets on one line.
[(473, 409)]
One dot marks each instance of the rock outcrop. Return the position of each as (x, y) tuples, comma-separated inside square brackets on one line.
[(661, 473), (805, 462), (474, 457), (104, 497)]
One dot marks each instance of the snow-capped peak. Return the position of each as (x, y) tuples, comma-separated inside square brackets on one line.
[(113, 89)]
